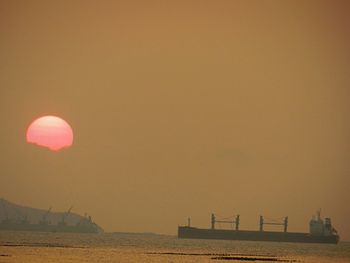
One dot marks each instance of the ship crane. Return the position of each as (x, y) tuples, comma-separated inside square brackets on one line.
[(225, 221), (64, 216), (283, 223)]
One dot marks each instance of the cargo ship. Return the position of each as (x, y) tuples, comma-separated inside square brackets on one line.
[(320, 231)]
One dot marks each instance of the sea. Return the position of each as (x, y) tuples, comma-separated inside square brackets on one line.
[(30, 247)]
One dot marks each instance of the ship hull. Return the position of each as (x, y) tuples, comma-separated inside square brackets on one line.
[(199, 233)]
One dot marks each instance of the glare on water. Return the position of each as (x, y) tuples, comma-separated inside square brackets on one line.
[(16, 247)]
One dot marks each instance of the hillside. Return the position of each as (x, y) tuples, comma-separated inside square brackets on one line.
[(18, 213)]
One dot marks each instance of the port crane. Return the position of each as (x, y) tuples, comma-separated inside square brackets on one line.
[(64, 216)]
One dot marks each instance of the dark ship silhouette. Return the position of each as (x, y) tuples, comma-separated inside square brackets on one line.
[(320, 231)]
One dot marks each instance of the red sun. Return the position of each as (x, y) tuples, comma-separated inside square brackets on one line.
[(51, 132)]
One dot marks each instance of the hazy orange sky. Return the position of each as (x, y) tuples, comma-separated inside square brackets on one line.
[(179, 108)]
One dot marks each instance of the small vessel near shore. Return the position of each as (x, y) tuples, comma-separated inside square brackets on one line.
[(320, 231)]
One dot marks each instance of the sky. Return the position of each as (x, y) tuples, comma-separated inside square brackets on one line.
[(179, 109)]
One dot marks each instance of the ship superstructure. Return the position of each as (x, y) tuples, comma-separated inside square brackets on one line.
[(318, 227)]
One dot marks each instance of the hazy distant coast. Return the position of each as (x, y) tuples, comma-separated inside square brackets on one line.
[(18, 213)]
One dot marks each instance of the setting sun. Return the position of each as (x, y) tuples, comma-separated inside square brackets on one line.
[(51, 132)]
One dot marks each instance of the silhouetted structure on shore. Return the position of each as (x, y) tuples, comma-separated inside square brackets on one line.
[(19, 218)]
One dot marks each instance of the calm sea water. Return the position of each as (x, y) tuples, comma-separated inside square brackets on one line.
[(26, 247)]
